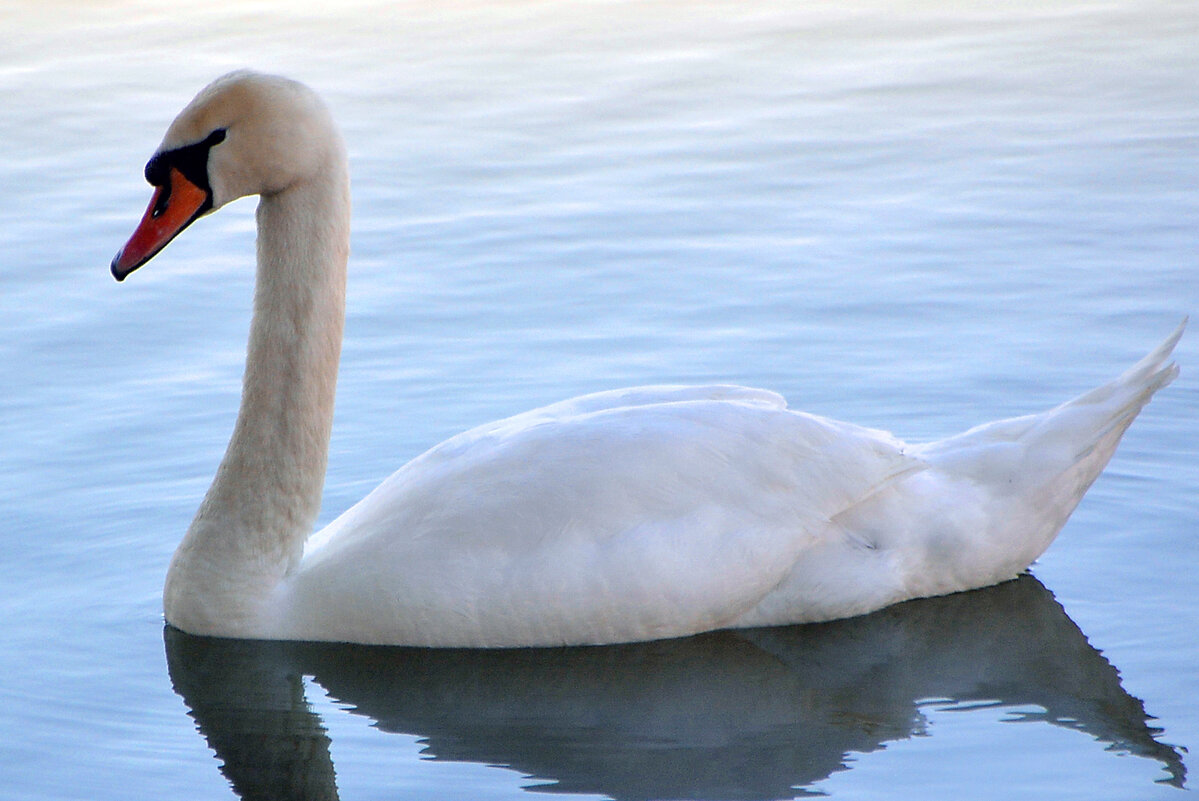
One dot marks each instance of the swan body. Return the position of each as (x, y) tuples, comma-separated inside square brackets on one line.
[(627, 515)]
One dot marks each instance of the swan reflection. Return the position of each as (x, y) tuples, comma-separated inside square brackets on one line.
[(748, 715)]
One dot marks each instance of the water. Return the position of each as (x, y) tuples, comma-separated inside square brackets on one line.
[(917, 216)]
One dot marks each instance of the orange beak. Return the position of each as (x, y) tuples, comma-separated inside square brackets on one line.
[(175, 205)]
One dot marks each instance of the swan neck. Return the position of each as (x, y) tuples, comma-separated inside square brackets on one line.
[(250, 529), (281, 439)]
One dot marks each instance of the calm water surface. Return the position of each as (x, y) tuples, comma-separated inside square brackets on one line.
[(914, 215)]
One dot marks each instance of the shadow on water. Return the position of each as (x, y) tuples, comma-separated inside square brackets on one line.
[(746, 715)]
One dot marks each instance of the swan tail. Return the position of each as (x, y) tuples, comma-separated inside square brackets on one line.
[(1129, 393), (1095, 421), (996, 496), (1031, 472)]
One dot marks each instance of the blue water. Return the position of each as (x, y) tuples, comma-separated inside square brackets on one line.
[(917, 216)]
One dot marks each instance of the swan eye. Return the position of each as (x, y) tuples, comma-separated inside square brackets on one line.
[(191, 160)]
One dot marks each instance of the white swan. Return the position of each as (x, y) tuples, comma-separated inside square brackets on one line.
[(628, 515)]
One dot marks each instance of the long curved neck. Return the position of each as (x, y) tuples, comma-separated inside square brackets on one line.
[(250, 529)]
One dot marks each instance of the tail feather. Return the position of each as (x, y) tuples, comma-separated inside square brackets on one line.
[(1042, 464), (1014, 483), (1116, 404), (1147, 376), (986, 504)]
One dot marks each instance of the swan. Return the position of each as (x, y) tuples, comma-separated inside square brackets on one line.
[(633, 514)]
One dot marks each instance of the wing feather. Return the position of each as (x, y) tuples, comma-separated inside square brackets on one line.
[(630, 515)]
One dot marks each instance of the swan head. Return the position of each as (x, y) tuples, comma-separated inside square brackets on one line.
[(245, 133)]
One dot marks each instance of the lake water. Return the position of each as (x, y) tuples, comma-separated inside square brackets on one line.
[(914, 215)]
